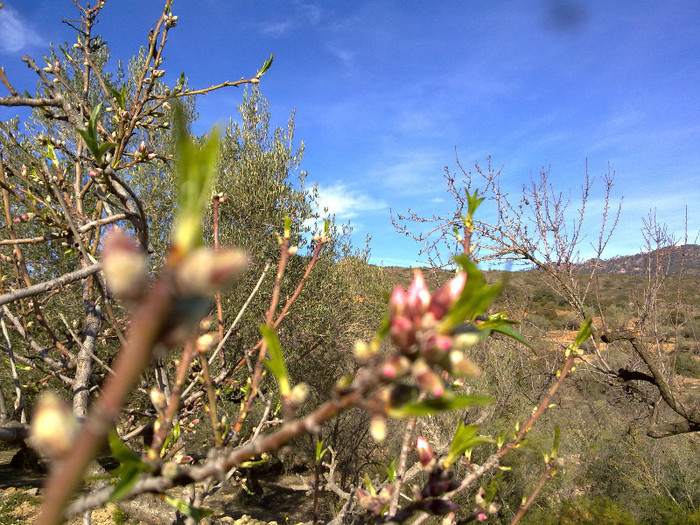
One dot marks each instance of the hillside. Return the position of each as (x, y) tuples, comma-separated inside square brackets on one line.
[(673, 259)]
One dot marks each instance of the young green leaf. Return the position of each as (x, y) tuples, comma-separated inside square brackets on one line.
[(320, 451), (448, 401), (391, 471), (188, 510), (464, 440), (91, 137), (275, 359), (475, 298), (197, 168), (584, 332), (265, 66), (473, 202), (131, 466), (555, 447)]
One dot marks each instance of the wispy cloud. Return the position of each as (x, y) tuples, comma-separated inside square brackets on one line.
[(277, 29), (16, 34), (346, 203), (410, 171)]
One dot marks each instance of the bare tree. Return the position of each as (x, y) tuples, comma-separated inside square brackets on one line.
[(539, 230)]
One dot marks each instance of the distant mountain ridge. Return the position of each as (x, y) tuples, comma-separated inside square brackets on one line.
[(672, 258)]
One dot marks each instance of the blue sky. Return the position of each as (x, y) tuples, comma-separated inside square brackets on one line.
[(384, 92)]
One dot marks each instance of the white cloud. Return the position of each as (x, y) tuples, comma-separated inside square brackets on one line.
[(412, 172), (15, 34), (277, 29), (346, 203)]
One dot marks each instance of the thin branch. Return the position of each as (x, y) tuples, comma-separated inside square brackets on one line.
[(51, 284)]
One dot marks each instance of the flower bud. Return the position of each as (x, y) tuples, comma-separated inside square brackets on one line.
[(298, 395), (206, 271), (293, 250), (157, 398), (427, 379), (206, 342), (461, 366), (402, 334), (142, 146), (445, 296), (425, 453), (363, 352), (53, 426), (396, 367), (418, 295), (439, 506), (377, 428), (449, 519), (436, 347), (125, 266), (397, 303)]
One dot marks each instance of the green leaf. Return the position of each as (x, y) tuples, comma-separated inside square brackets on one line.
[(90, 137), (265, 66), (275, 359), (287, 226), (391, 471), (501, 324), (120, 451), (490, 492), (448, 401), (320, 451), (369, 486), (51, 154), (475, 298), (188, 510), (555, 447), (254, 463), (384, 328), (584, 332), (131, 466), (197, 168), (128, 474), (465, 439), (119, 95), (473, 202)]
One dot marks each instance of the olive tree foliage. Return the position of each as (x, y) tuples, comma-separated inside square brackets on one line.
[(543, 229)]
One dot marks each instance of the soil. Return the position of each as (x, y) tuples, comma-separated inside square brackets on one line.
[(283, 499)]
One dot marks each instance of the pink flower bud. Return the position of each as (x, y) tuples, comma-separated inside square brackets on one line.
[(425, 453), (397, 303), (418, 295), (142, 146), (151, 155), (427, 378), (446, 295), (93, 173), (23, 170), (395, 367), (402, 334), (436, 347)]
